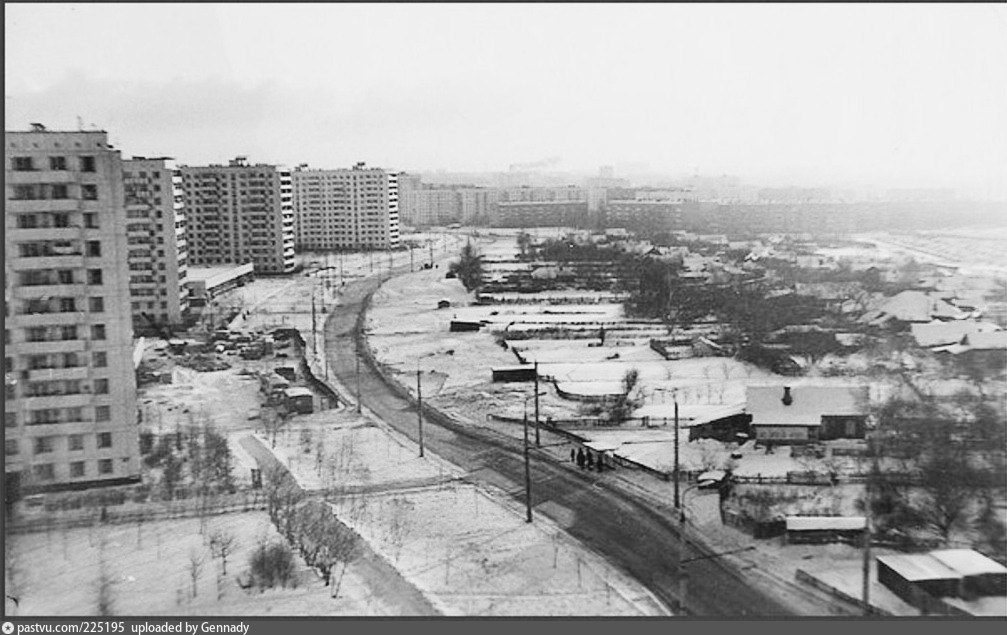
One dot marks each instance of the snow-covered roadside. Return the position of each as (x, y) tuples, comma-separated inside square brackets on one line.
[(468, 550)]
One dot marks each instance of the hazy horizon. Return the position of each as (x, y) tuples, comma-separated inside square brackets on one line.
[(809, 95)]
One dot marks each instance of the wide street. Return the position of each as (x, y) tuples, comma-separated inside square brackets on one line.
[(627, 532)]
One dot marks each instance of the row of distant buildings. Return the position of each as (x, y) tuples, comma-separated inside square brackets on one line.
[(613, 203), (99, 246)]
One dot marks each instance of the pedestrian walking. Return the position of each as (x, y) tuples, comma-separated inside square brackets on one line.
[(580, 458), (573, 455), (590, 460)]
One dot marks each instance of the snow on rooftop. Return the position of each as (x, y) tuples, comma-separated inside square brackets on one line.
[(690, 414), (938, 333), (968, 562), (808, 403), (919, 566), (991, 340), (812, 523)]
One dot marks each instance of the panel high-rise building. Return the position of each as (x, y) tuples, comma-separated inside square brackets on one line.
[(346, 209), (155, 238), (239, 213), (70, 406)]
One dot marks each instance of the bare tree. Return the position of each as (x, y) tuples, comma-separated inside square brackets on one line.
[(399, 524), (13, 570), (197, 559), (105, 583), (223, 542)]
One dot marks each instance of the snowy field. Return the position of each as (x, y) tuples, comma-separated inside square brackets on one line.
[(469, 552), (149, 566)]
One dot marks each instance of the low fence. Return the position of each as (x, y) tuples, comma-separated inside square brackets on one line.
[(316, 384), (807, 578), (138, 512)]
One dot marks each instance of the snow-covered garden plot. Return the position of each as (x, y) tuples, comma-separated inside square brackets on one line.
[(341, 449), (149, 572), (469, 553)]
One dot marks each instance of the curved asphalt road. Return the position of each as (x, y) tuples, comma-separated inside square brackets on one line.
[(624, 530)]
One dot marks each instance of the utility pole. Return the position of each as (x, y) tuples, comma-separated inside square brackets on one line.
[(527, 468), (677, 506), (431, 246), (419, 405), (314, 332), (867, 554), (410, 258), (358, 379), (538, 441)]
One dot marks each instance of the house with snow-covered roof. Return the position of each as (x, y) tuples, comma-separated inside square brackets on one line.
[(938, 333), (806, 413)]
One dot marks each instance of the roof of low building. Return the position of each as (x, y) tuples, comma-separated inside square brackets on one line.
[(968, 562), (808, 403), (939, 333), (986, 341), (917, 567), (818, 523)]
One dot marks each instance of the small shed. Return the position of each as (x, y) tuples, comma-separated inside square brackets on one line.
[(980, 575), (514, 373), (825, 529), (913, 577), (461, 326), (443, 304), (299, 399)]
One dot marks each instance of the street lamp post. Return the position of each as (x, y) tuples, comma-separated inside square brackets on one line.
[(527, 460), (677, 505), (538, 440), (419, 405), (358, 377)]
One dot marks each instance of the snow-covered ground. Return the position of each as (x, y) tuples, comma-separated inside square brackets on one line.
[(469, 551), (150, 567)]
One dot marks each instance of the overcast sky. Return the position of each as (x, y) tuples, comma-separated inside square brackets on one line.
[(892, 94)]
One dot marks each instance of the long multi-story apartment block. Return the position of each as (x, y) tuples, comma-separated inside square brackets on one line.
[(542, 214), (408, 183), (155, 238), (437, 206), (346, 209), (239, 213), (70, 406)]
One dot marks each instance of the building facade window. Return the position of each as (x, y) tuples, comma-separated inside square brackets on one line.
[(104, 440), (76, 469), (75, 442), (44, 472), (43, 445)]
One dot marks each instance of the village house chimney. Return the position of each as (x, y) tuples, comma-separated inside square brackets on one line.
[(787, 397)]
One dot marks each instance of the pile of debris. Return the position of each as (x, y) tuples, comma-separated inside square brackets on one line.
[(203, 363)]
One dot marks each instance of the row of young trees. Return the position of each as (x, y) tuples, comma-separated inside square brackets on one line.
[(321, 538)]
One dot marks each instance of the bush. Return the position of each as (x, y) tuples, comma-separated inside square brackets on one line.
[(272, 564)]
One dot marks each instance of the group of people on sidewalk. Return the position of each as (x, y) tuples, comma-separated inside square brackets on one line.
[(588, 460)]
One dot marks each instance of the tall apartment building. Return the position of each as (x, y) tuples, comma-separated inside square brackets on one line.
[(155, 238), (239, 213), (70, 406), (408, 183), (346, 209), (478, 205), (644, 216), (542, 194), (439, 206), (542, 214)]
